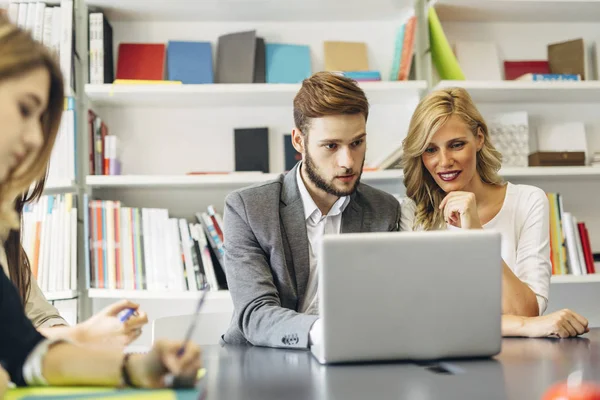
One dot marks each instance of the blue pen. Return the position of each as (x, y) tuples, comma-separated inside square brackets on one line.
[(126, 314)]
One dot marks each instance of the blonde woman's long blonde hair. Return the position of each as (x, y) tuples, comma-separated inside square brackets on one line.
[(21, 54), (431, 114)]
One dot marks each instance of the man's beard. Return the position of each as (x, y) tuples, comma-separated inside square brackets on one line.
[(322, 184)]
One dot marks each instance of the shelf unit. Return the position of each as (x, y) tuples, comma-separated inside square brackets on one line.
[(240, 11), (519, 10), (240, 180), (162, 295), (63, 295), (529, 92), (58, 187), (231, 95)]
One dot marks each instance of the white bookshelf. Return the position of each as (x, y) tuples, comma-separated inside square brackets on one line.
[(560, 279), (243, 179), (145, 294), (62, 295), (529, 92), (585, 172), (519, 10), (203, 181), (232, 95), (59, 187), (228, 11)]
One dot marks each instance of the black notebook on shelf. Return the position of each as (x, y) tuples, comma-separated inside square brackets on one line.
[(252, 149)]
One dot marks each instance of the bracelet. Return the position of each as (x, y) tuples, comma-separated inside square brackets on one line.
[(125, 373)]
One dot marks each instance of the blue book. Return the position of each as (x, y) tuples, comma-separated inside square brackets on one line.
[(549, 77), (190, 62), (287, 63), (363, 75)]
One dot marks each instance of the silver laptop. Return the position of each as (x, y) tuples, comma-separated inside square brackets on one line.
[(409, 296)]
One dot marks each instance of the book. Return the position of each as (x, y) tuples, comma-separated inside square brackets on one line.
[(189, 62), (345, 56), (478, 60), (287, 63), (251, 149), (260, 68), (408, 48), (236, 57), (101, 49), (443, 57), (515, 69), (569, 57), (363, 76), (141, 61), (548, 77)]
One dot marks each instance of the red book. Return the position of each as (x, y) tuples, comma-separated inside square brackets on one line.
[(587, 248), (141, 61), (515, 69)]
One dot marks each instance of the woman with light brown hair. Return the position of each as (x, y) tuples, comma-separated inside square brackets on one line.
[(31, 101), (103, 327), (452, 182)]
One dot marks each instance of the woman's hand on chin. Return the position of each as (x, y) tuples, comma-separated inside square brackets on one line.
[(460, 210)]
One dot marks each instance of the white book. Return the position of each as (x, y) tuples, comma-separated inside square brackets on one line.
[(56, 31), (570, 240), (13, 12), (161, 241), (22, 18), (96, 43), (59, 245), (569, 136), (65, 264), (66, 44), (125, 243), (74, 245), (479, 61), (30, 24), (186, 244), (148, 262), (38, 24), (580, 256), (47, 35), (175, 267)]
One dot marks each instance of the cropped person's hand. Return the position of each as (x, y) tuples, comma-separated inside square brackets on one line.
[(4, 380), (106, 328), (152, 370), (460, 210), (564, 323)]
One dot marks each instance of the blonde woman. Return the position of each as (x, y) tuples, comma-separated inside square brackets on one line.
[(452, 182), (31, 98)]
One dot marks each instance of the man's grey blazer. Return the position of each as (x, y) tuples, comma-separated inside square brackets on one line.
[(266, 256)]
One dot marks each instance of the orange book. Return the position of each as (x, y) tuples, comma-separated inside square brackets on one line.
[(407, 49), (36, 249)]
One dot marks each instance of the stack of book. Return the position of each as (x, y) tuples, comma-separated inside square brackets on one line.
[(143, 249)]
